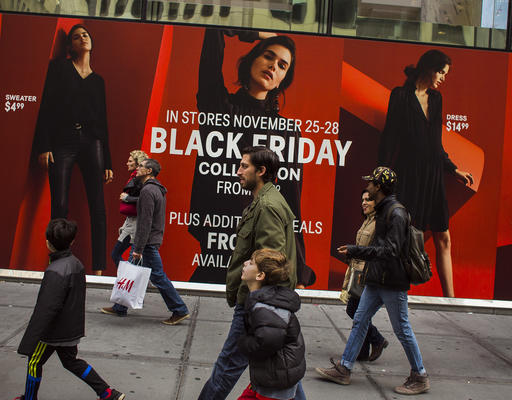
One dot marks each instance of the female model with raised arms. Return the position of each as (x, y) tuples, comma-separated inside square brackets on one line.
[(264, 73)]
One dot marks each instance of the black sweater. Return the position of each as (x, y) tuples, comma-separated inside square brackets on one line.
[(69, 99), (213, 97)]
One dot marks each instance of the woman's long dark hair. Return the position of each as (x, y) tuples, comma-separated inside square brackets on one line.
[(245, 63), (429, 63), (69, 39), (363, 192)]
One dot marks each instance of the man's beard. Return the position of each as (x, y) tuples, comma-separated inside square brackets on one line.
[(249, 185)]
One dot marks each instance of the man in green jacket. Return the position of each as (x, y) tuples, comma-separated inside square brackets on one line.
[(266, 223)]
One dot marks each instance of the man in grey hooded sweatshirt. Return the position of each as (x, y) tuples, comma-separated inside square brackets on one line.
[(148, 238)]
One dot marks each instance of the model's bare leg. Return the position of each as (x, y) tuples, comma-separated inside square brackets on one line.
[(443, 246)]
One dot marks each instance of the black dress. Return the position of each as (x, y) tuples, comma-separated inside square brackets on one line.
[(206, 198), (412, 146), (72, 124)]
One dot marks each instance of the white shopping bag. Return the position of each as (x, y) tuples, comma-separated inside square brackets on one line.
[(130, 285)]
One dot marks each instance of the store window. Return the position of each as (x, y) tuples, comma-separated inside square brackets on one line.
[(469, 23), (126, 9)]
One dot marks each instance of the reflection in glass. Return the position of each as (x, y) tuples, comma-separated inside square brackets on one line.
[(279, 15), (126, 9), (456, 22), (470, 23)]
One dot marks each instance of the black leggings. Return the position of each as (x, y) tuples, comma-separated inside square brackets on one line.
[(87, 152), (67, 356)]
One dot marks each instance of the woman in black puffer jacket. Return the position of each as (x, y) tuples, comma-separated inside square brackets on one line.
[(273, 343)]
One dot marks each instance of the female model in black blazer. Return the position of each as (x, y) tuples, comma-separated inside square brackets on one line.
[(411, 144), (72, 128)]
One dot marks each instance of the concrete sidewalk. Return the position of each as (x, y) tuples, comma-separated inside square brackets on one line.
[(468, 356)]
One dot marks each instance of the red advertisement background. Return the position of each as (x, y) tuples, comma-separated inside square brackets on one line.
[(150, 68), (504, 243)]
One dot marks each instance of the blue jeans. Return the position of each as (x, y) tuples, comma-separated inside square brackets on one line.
[(396, 305), (119, 249), (231, 364), (151, 259)]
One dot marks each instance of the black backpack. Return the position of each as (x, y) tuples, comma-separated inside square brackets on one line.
[(414, 257)]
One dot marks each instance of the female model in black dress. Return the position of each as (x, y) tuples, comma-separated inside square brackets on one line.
[(263, 74), (72, 128), (411, 144)]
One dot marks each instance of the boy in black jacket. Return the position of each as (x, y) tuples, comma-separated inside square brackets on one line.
[(58, 320), (273, 342)]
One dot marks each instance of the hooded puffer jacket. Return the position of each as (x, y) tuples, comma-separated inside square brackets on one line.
[(273, 343)]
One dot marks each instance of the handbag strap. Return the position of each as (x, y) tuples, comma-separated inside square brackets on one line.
[(138, 263)]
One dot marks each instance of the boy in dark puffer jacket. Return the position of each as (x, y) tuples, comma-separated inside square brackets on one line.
[(273, 343), (58, 320)]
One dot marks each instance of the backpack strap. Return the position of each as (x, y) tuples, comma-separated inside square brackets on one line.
[(388, 216), (392, 208)]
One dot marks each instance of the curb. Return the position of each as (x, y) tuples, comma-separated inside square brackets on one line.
[(480, 306)]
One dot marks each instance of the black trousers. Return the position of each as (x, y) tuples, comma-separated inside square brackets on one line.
[(67, 356), (373, 336), (86, 151)]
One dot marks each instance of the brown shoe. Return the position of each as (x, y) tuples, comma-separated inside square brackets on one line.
[(415, 384), (111, 311), (377, 350), (337, 373), (175, 319)]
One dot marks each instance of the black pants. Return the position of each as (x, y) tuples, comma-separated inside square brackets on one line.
[(67, 356), (119, 249), (372, 337), (86, 151)]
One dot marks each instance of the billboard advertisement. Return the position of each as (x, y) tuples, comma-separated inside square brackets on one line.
[(177, 93)]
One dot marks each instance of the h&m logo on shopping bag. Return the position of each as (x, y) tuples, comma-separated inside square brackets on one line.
[(125, 284), (130, 285)]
